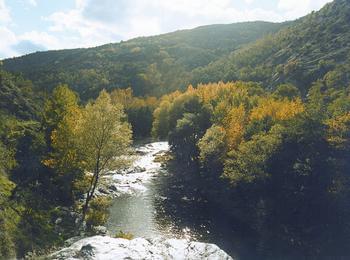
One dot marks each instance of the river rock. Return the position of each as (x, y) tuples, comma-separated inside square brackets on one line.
[(58, 221), (112, 188), (99, 230), (104, 247)]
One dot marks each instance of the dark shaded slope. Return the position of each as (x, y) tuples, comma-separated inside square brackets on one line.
[(17, 97), (316, 46)]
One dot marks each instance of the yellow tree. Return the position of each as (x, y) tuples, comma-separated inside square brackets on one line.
[(61, 116), (61, 102), (104, 139), (277, 109), (234, 124)]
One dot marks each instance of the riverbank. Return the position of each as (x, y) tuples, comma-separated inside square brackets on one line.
[(135, 190), (132, 180), (104, 247)]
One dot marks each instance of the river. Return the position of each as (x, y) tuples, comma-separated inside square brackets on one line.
[(165, 206)]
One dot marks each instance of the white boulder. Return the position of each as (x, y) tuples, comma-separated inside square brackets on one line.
[(104, 247)]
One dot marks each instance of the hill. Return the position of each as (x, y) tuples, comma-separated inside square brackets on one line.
[(151, 65), (17, 97), (313, 48)]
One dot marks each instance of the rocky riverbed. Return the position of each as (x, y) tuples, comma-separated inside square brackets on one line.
[(104, 247), (132, 186), (133, 179)]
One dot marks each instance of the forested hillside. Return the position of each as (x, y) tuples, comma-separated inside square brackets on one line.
[(256, 115), (47, 143), (17, 97), (279, 163), (314, 47), (150, 65), (300, 52)]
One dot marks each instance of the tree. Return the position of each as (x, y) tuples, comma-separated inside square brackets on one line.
[(249, 162), (188, 120), (104, 137), (8, 218), (213, 148), (160, 127), (66, 158), (61, 119), (62, 101), (139, 110), (286, 91)]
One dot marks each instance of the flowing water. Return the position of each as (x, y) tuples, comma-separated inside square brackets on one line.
[(137, 213), (171, 203), (165, 206)]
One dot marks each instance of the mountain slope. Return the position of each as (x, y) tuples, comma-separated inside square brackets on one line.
[(151, 65), (316, 46), (17, 97)]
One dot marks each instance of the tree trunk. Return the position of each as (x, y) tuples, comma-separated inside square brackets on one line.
[(92, 187), (89, 196)]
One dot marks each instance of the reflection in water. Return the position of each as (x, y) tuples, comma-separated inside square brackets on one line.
[(173, 206), (138, 214), (143, 214), (171, 209)]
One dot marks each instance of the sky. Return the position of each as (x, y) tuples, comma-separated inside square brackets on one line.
[(36, 25)]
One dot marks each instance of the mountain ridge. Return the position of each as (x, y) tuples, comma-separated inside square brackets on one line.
[(300, 54), (312, 48), (145, 63)]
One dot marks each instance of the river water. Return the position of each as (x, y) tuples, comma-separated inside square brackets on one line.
[(165, 206), (171, 202)]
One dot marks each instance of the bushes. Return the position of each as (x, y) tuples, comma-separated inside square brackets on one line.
[(124, 235), (98, 212)]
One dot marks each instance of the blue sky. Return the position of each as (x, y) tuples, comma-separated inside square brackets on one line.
[(33, 25)]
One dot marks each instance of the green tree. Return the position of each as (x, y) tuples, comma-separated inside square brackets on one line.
[(287, 91), (104, 137), (8, 218), (213, 148), (160, 126)]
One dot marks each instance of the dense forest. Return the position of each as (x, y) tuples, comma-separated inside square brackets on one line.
[(298, 52), (150, 65), (313, 47), (273, 159), (260, 113), (48, 144)]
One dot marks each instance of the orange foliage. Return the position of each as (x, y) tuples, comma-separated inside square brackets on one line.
[(277, 109), (234, 124)]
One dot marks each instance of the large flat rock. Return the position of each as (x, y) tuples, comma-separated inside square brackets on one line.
[(104, 247)]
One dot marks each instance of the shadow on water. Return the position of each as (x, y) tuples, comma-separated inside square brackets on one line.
[(176, 205), (197, 218), (172, 206)]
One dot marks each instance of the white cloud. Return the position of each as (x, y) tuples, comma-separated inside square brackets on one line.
[(83, 32), (33, 2), (40, 38), (9, 41), (8, 38), (4, 12), (96, 22), (6, 35), (293, 9)]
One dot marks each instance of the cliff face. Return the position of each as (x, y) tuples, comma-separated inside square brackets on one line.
[(104, 247)]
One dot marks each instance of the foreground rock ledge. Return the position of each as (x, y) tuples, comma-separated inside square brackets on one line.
[(104, 247)]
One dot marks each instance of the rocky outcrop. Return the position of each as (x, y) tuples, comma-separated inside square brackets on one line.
[(104, 247)]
